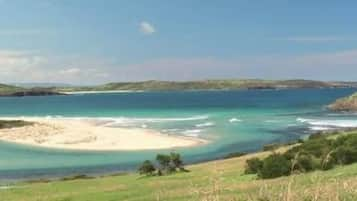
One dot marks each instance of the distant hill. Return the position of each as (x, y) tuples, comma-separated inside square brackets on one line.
[(5, 89), (9, 90), (348, 104), (41, 85), (33, 89), (154, 85)]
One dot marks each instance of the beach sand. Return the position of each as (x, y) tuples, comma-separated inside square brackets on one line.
[(86, 135)]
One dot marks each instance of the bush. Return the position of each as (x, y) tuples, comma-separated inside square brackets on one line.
[(164, 162), (253, 166), (147, 168), (345, 155), (275, 165), (176, 161), (305, 162)]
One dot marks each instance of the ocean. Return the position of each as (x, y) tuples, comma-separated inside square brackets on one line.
[(233, 121)]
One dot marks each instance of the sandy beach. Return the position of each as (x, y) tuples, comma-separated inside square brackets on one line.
[(87, 135)]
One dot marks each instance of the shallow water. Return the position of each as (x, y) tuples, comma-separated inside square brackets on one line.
[(232, 120)]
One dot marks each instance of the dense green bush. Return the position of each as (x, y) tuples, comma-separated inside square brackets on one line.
[(304, 162), (253, 166), (275, 165), (147, 168), (318, 152), (166, 164)]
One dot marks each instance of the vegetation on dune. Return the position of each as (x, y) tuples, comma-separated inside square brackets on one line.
[(13, 124), (240, 178), (317, 153), (212, 181), (345, 104)]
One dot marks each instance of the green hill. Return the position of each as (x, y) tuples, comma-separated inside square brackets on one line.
[(345, 104), (9, 90), (154, 85), (211, 181)]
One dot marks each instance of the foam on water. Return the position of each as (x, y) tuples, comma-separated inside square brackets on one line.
[(192, 132), (322, 124), (232, 120), (206, 124)]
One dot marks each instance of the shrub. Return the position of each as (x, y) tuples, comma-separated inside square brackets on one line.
[(147, 168), (275, 165), (164, 162), (305, 162), (176, 160), (345, 155), (253, 166)]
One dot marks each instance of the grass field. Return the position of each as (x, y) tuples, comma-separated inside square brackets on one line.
[(212, 181)]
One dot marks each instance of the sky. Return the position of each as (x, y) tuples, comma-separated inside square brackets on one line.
[(95, 41)]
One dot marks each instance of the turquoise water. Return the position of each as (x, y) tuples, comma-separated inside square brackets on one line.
[(232, 120)]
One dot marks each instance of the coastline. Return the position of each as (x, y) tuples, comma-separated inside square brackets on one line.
[(101, 92), (86, 135)]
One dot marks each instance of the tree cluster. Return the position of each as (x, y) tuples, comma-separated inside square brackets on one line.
[(165, 164)]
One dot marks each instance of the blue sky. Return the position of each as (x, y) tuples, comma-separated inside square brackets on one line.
[(85, 42)]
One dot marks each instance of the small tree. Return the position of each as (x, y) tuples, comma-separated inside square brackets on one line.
[(164, 163), (147, 168), (176, 161)]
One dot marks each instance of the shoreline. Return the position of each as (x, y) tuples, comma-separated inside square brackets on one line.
[(101, 92), (85, 135)]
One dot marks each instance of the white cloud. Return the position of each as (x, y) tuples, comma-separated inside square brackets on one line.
[(147, 28), (27, 66)]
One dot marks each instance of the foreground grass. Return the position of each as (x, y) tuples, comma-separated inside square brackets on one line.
[(212, 181)]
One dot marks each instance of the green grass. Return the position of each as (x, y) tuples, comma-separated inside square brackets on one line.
[(217, 180)]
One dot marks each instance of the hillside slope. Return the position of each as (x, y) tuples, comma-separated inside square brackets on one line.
[(214, 181)]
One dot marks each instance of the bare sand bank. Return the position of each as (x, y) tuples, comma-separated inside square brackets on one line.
[(86, 135)]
